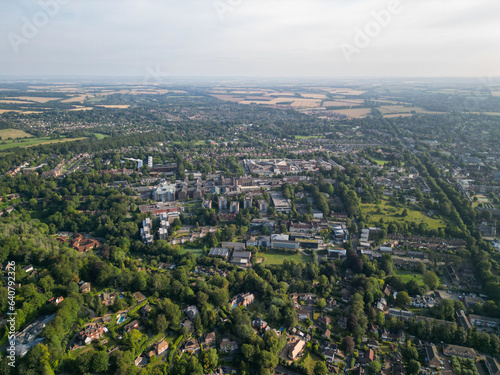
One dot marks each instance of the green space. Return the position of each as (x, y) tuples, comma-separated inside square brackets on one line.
[(390, 213), (197, 252), (13, 133), (100, 135), (278, 257), (29, 142), (408, 275), (308, 136)]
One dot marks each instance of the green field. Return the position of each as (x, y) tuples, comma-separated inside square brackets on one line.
[(101, 136), (13, 133), (197, 252), (30, 142), (390, 213), (278, 257), (307, 136), (407, 276)]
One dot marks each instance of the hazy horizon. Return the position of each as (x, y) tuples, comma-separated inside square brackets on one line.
[(243, 39)]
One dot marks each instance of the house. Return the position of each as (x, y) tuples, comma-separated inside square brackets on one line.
[(161, 347), (108, 299), (295, 348), (209, 339), (228, 346), (56, 300), (367, 357), (207, 204), (432, 356), (326, 334), (191, 346), (401, 314), (459, 351), (28, 268), (252, 241), (324, 320), (483, 321), (241, 258), (85, 288), (342, 322), (192, 311), (242, 300), (329, 354), (92, 331), (259, 323), (302, 314), (139, 297), (138, 360), (372, 344), (134, 324)]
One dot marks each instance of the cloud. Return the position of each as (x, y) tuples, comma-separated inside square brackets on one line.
[(252, 38)]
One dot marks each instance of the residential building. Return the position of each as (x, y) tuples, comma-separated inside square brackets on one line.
[(228, 346), (295, 348), (247, 203), (242, 300), (222, 203), (259, 323), (235, 207), (85, 288), (192, 311), (92, 331), (161, 347), (209, 340), (207, 204), (459, 351), (134, 324), (262, 204), (433, 356), (483, 321), (150, 161)]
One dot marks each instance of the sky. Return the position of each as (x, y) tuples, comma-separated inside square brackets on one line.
[(250, 38)]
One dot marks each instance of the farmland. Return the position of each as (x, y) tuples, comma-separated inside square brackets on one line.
[(30, 142)]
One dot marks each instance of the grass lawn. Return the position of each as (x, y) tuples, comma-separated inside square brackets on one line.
[(390, 213), (101, 136), (407, 276), (278, 257), (13, 133), (310, 361), (197, 252), (307, 136), (379, 161), (29, 142)]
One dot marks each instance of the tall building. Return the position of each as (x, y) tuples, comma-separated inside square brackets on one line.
[(150, 161)]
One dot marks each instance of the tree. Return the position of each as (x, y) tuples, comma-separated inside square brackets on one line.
[(430, 279), (320, 368), (413, 367), (374, 367), (347, 345), (209, 359), (161, 323), (100, 362), (321, 303), (402, 299)]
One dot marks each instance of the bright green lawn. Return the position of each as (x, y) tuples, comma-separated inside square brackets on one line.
[(278, 257), (197, 252), (407, 276)]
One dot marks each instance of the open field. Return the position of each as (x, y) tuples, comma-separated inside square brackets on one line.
[(38, 99), (355, 112), (122, 106), (197, 252), (407, 276), (342, 103), (308, 136), (390, 213), (278, 257), (101, 136), (13, 133), (30, 142)]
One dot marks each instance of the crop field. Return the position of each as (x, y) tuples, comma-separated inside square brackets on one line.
[(355, 112), (38, 99), (13, 133)]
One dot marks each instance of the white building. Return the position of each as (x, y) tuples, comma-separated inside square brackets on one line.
[(150, 161)]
